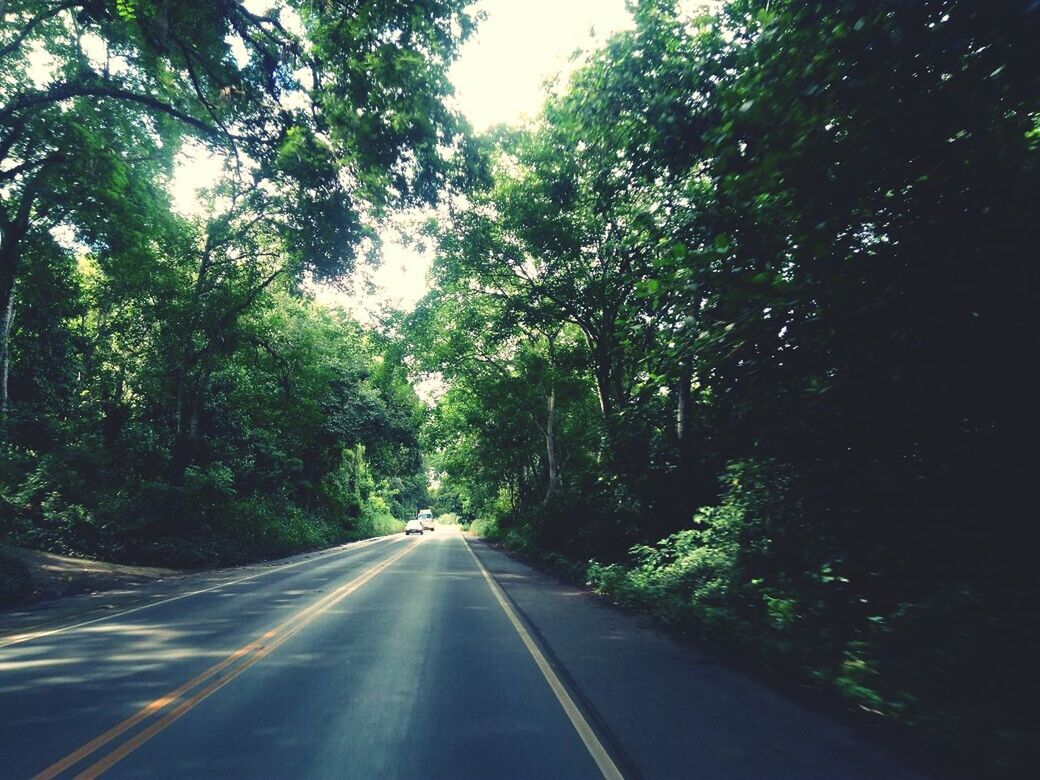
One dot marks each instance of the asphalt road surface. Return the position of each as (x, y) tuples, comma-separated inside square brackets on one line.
[(422, 657)]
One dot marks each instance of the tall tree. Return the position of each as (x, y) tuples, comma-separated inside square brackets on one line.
[(292, 96)]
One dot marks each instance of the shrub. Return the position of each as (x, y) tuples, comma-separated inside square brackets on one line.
[(484, 527), (376, 519), (725, 577)]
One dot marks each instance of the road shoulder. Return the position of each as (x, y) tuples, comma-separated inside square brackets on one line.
[(645, 687), (132, 588)]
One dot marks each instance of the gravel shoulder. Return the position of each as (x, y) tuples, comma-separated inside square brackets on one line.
[(58, 576)]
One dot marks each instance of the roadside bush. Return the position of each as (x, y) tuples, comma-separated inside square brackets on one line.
[(484, 527), (376, 520), (719, 574), (749, 577), (275, 528)]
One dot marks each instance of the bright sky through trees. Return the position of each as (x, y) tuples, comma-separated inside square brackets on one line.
[(499, 78), (521, 43)]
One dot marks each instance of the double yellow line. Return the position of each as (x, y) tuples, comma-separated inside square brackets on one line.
[(204, 684)]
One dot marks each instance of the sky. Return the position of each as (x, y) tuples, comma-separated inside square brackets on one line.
[(499, 74), (498, 78)]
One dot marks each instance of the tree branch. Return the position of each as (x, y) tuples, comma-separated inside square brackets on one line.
[(61, 92), (28, 165), (259, 21), (11, 138), (209, 106), (250, 299), (35, 22)]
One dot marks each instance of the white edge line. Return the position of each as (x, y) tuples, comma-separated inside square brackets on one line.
[(596, 749), (17, 639)]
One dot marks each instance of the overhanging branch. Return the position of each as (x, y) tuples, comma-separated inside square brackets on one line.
[(60, 92), (34, 23)]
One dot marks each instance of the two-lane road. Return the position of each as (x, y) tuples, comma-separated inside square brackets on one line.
[(395, 659), (398, 658)]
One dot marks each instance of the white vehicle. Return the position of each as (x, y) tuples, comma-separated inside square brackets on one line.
[(413, 527), (426, 519)]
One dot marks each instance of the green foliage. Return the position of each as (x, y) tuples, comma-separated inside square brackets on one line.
[(292, 445), (716, 574), (484, 527), (789, 244), (169, 394)]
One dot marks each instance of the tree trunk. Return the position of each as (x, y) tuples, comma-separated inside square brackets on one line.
[(550, 446), (609, 375), (181, 441), (7, 276), (603, 385), (682, 412), (190, 396), (12, 234)]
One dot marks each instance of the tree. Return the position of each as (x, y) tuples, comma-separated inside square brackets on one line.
[(797, 240), (358, 90), (193, 392)]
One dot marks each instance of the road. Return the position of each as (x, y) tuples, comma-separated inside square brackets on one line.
[(405, 657)]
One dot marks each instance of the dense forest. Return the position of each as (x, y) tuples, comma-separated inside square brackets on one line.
[(740, 329), (170, 392)]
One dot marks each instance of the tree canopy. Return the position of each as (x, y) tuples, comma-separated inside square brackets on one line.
[(739, 329), (781, 257), (169, 392)]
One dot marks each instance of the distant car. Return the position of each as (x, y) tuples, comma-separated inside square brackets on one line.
[(413, 527), (426, 519)]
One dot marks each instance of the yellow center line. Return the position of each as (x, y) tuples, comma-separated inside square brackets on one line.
[(144, 713), (588, 736), (259, 648)]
